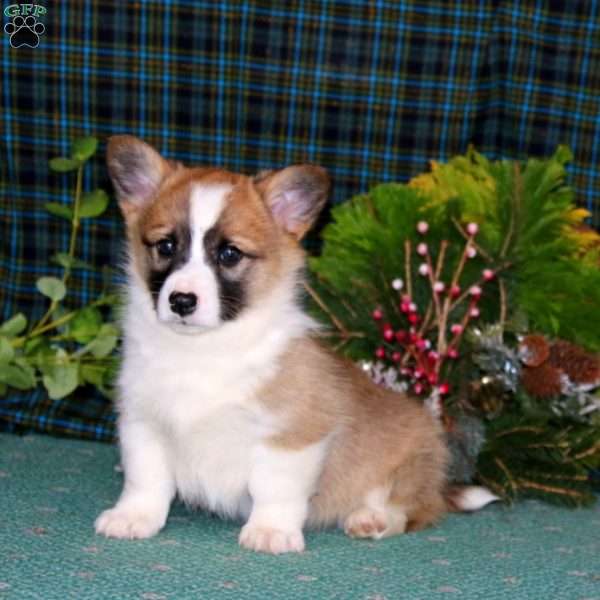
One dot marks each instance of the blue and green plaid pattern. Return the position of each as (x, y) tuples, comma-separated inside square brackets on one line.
[(370, 90)]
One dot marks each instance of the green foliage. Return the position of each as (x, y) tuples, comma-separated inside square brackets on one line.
[(547, 280), (525, 215), (540, 458), (69, 346)]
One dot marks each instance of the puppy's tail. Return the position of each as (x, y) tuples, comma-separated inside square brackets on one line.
[(468, 498)]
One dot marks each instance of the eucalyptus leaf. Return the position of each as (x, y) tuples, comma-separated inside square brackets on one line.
[(17, 377), (83, 148), (14, 326), (7, 352), (85, 325), (52, 287), (105, 342), (64, 165), (59, 210), (93, 204), (92, 373), (66, 261), (61, 379)]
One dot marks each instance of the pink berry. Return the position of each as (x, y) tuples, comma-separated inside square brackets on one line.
[(423, 269), (488, 274), (444, 388), (388, 335), (412, 307), (380, 352), (422, 227), (421, 344), (377, 314), (475, 291), (456, 329), (455, 291), (474, 312), (396, 356), (419, 373), (433, 357), (405, 307), (472, 228), (439, 287), (452, 353), (406, 371), (432, 378), (418, 388), (397, 284), (471, 252), (422, 249)]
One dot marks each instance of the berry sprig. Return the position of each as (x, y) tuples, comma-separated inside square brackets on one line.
[(426, 340)]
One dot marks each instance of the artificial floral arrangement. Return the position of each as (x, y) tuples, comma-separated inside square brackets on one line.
[(476, 287), (66, 347)]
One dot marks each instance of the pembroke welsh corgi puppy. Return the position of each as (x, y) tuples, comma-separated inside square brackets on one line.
[(227, 397)]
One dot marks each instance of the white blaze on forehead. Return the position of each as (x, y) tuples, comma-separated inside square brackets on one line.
[(197, 276), (206, 205)]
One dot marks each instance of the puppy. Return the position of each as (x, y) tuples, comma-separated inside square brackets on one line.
[(226, 396)]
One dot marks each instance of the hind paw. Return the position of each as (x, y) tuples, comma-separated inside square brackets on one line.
[(365, 523)]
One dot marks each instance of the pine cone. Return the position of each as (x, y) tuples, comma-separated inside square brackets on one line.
[(534, 349), (580, 366), (543, 381)]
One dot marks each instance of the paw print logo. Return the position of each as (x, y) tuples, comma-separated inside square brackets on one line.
[(24, 31)]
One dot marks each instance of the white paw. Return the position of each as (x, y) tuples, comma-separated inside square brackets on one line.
[(128, 523), (268, 539), (365, 523)]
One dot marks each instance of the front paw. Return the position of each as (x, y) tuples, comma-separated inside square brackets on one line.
[(129, 523), (271, 540)]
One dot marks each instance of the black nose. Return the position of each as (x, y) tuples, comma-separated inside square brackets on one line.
[(183, 304)]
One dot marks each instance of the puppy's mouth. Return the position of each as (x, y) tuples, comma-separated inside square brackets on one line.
[(184, 326)]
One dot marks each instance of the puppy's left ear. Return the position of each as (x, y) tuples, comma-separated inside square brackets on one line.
[(295, 196)]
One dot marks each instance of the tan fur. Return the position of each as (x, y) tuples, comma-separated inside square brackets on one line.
[(380, 439)]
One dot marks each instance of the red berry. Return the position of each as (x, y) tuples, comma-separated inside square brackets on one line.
[(432, 378), (455, 291), (400, 335), (380, 352), (488, 274), (419, 373), (421, 344), (433, 357), (444, 388), (396, 356), (405, 307), (377, 314), (413, 318), (418, 388), (452, 353), (388, 335)]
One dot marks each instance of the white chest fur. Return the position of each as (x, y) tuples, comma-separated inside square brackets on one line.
[(198, 395)]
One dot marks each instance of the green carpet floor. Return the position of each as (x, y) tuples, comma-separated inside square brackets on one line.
[(51, 491)]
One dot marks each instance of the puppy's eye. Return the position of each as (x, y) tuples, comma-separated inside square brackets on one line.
[(165, 247), (229, 255)]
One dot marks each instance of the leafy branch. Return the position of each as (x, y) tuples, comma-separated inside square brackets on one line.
[(67, 346)]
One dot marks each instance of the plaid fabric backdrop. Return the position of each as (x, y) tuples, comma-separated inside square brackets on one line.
[(370, 90)]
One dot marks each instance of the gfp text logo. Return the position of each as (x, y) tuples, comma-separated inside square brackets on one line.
[(24, 28)]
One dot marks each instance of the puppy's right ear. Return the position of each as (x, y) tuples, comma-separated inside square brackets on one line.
[(136, 170)]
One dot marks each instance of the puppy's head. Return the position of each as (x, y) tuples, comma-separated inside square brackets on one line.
[(207, 244)]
